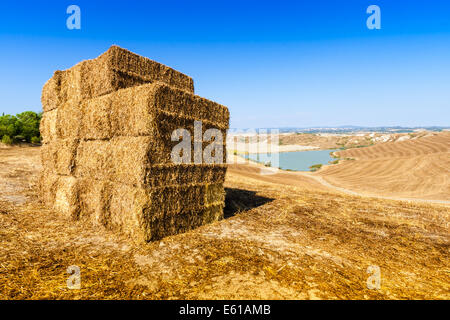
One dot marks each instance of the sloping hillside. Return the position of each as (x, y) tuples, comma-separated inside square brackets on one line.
[(417, 168)]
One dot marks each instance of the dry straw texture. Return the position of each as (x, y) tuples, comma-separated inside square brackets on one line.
[(115, 69), (107, 129)]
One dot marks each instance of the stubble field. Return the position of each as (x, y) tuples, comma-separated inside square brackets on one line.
[(285, 236)]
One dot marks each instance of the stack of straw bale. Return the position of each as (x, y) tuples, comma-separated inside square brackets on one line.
[(106, 151)]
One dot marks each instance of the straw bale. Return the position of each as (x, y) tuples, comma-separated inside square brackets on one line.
[(142, 213), (165, 124), (59, 156), (127, 212), (183, 199), (175, 224), (121, 159), (175, 199), (48, 126), (193, 107), (66, 197), (62, 123), (69, 119), (144, 70), (160, 227), (141, 110), (149, 213), (168, 174), (137, 161), (60, 193), (214, 193), (50, 98), (115, 69), (47, 187), (137, 111), (122, 113), (94, 197), (107, 131)]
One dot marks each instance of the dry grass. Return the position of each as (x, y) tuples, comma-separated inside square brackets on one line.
[(286, 240)]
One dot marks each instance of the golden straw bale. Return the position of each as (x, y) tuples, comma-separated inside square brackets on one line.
[(169, 174), (141, 212), (174, 224), (47, 187), (129, 160), (127, 212), (69, 119), (122, 113), (48, 126), (59, 156), (94, 197), (66, 197), (115, 69), (50, 98), (107, 129), (193, 107), (141, 110), (121, 159)]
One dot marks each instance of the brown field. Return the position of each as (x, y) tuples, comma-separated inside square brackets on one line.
[(418, 168), (334, 141), (286, 236)]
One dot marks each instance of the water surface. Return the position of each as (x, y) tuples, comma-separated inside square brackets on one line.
[(296, 161)]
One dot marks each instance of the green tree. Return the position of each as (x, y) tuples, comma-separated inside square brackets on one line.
[(7, 139), (8, 126), (24, 126), (35, 140), (28, 124)]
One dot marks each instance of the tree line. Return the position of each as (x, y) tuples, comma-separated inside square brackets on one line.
[(23, 127)]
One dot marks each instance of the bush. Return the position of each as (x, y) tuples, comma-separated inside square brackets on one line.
[(22, 127), (333, 155), (28, 123), (35, 140), (8, 126), (7, 140), (315, 167)]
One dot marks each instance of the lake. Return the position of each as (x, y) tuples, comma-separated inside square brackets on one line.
[(296, 161)]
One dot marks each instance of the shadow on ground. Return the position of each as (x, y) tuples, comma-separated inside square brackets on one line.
[(238, 200)]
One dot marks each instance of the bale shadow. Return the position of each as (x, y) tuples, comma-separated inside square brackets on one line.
[(238, 200)]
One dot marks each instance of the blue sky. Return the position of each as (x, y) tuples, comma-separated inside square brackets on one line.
[(273, 63)]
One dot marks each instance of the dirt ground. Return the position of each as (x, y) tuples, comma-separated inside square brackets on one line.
[(285, 236)]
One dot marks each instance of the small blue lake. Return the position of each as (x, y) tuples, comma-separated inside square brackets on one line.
[(296, 161)]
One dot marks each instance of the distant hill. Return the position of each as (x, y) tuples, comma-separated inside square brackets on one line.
[(352, 129)]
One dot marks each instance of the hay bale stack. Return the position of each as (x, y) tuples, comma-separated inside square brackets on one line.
[(107, 129)]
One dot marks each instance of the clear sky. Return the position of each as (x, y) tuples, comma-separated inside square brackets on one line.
[(273, 63)]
